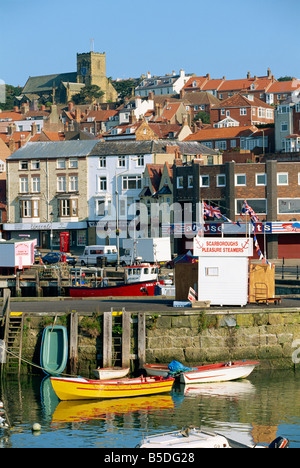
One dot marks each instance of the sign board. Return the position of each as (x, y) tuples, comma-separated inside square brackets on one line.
[(223, 247)]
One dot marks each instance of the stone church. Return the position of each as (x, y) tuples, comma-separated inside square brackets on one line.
[(61, 87)]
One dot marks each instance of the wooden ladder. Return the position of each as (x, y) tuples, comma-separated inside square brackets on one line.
[(13, 338)]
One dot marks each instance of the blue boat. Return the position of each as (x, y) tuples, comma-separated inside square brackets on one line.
[(54, 349)]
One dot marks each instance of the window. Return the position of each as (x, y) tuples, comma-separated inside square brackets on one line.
[(131, 182), (284, 126), (121, 161), (23, 165), (73, 183), (23, 184), (100, 207), (221, 180), (61, 164), (68, 207), (73, 163), (212, 271), (35, 184), (259, 205), (243, 111), (190, 181), (180, 182), (261, 179), (140, 160), (233, 143), (210, 160), (282, 178), (240, 179), (61, 183), (221, 144), (204, 181), (35, 164), (288, 205), (102, 183), (102, 161), (29, 208)]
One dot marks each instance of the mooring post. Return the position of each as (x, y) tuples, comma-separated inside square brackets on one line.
[(73, 342), (126, 338), (107, 339), (141, 339)]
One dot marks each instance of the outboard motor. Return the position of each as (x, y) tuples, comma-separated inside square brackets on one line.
[(279, 442)]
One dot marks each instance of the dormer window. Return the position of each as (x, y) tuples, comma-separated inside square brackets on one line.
[(194, 84)]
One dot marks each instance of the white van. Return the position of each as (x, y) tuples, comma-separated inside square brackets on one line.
[(93, 254)]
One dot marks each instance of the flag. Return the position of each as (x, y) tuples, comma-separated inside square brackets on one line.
[(192, 295), (213, 212), (247, 210)]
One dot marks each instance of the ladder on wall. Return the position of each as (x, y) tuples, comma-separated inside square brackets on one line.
[(13, 339)]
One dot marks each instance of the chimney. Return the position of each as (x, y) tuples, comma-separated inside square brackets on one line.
[(43, 107), (16, 109), (158, 110), (70, 106), (77, 115), (148, 74), (11, 129), (150, 95), (25, 108), (132, 117), (33, 129), (182, 93), (248, 75), (269, 74), (208, 76)]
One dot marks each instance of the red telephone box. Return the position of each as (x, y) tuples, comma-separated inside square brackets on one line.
[(64, 242)]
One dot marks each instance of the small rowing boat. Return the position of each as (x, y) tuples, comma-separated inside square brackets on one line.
[(193, 437), (79, 388), (54, 349), (104, 373), (219, 372)]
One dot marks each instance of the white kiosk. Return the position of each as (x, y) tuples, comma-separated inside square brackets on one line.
[(223, 270)]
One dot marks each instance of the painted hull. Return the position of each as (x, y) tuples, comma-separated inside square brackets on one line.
[(86, 389), (219, 372), (111, 372), (156, 370), (145, 288), (54, 349)]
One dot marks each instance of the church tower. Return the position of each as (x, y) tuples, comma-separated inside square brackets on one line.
[(91, 71)]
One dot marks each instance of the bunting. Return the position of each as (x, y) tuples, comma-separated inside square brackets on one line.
[(256, 245), (247, 210)]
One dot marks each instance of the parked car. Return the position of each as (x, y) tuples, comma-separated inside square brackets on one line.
[(172, 262), (55, 257)]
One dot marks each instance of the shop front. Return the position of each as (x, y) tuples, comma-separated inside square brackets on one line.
[(47, 235)]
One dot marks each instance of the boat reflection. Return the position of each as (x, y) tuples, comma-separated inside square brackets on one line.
[(86, 410), (221, 389)]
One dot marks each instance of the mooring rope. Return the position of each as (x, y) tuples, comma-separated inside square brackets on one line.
[(31, 363)]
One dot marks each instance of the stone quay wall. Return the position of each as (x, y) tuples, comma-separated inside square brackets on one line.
[(191, 337)]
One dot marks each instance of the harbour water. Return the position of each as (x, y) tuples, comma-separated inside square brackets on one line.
[(255, 410)]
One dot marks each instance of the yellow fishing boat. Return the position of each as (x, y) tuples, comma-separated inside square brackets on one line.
[(79, 388)]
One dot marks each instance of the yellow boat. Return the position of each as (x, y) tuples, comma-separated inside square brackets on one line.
[(79, 388)]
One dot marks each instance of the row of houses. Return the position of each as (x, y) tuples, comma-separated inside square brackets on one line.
[(152, 188)]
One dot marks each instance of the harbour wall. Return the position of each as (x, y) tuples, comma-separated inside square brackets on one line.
[(189, 336)]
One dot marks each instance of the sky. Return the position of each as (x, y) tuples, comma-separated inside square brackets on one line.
[(221, 37)]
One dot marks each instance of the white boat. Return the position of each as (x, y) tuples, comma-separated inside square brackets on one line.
[(220, 372), (157, 369), (193, 437), (107, 373)]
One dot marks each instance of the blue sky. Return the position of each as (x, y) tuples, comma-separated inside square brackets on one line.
[(220, 37)]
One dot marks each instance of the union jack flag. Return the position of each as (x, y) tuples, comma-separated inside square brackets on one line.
[(247, 210), (211, 211)]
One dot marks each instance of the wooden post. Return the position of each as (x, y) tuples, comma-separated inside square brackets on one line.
[(126, 338), (141, 338), (107, 339), (74, 342)]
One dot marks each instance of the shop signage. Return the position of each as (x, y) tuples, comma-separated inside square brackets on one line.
[(223, 247)]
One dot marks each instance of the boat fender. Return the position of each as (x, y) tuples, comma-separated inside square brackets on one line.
[(228, 364), (279, 442)]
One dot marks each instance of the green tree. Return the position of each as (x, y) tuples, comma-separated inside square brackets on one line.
[(202, 116), (11, 92), (88, 94)]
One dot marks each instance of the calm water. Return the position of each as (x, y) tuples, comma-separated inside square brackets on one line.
[(251, 411)]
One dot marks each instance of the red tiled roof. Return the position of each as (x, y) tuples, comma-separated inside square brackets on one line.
[(11, 115), (283, 86), (221, 133)]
